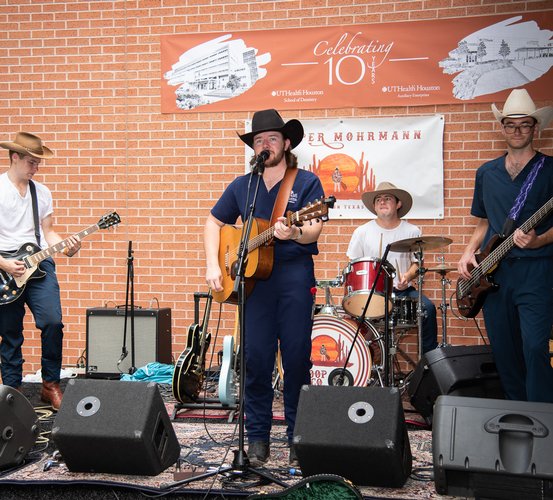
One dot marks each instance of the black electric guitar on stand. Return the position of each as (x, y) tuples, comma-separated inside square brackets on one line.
[(189, 373), (32, 255)]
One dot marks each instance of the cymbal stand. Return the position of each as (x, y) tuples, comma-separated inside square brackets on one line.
[(420, 280), (443, 308)]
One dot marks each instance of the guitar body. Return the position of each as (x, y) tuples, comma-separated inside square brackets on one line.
[(227, 375), (13, 287), (259, 263), (471, 301)]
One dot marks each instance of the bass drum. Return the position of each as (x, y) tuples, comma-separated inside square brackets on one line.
[(332, 340)]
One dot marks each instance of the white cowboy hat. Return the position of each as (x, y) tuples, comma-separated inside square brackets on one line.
[(519, 104), (388, 188), (28, 144)]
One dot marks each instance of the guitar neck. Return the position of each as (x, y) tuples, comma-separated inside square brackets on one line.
[(38, 257), (269, 233), (494, 257)]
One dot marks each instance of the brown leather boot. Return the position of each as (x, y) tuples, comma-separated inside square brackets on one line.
[(51, 393)]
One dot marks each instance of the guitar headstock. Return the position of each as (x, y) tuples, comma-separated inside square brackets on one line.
[(316, 210), (109, 220)]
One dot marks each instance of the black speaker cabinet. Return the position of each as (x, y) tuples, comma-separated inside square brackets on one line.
[(19, 427), (355, 432), (492, 448), (456, 371), (105, 330), (116, 427)]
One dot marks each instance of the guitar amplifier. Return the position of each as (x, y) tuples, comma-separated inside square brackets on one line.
[(105, 329)]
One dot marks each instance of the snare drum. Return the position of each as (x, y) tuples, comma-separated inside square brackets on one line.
[(404, 312), (359, 276), (332, 340)]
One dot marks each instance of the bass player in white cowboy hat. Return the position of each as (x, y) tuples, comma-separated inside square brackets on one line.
[(509, 191)]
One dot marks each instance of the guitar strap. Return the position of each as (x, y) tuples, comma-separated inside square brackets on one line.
[(283, 194), (509, 225), (32, 187)]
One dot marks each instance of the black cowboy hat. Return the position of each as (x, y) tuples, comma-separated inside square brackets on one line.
[(268, 120)]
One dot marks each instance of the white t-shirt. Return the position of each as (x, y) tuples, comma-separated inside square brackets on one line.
[(17, 224), (370, 241)]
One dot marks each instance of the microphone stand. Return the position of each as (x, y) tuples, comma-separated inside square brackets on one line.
[(130, 287), (241, 463), (361, 321)]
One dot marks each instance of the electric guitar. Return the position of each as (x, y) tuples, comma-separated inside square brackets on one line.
[(32, 255), (472, 292), (227, 376), (260, 252), (188, 375)]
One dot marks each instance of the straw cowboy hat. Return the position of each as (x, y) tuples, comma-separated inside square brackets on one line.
[(268, 120), (28, 144), (519, 104), (388, 188)]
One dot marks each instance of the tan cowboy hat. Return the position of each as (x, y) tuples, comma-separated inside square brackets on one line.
[(388, 188), (28, 144), (519, 104), (268, 120)]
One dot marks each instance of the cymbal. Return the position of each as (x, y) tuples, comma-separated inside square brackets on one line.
[(422, 242), (441, 269)]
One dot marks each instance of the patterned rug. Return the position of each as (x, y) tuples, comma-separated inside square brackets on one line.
[(208, 440)]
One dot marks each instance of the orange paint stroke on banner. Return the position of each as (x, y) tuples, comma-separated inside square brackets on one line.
[(442, 61)]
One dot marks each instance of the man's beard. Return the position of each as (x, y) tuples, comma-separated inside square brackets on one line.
[(275, 161)]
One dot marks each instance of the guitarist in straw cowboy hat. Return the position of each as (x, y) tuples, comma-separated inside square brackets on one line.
[(279, 308), (509, 191), (42, 296)]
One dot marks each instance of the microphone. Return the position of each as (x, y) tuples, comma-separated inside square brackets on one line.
[(262, 157)]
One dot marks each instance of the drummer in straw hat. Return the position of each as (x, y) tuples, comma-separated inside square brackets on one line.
[(368, 241)]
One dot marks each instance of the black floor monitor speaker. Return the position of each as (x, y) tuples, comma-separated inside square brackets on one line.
[(19, 427), (492, 448), (105, 332), (115, 427), (456, 371), (355, 432)]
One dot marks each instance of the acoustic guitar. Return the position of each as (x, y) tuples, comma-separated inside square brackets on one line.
[(471, 293), (260, 251), (189, 372), (32, 255)]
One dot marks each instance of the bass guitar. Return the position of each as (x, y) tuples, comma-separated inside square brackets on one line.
[(188, 375), (471, 293), (32, 255), (260, 252)]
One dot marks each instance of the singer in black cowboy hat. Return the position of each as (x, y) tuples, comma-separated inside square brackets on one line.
[(42, 296), (278, 310)]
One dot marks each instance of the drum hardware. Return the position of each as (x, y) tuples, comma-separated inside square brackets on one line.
[(442, 271), (328, 307)]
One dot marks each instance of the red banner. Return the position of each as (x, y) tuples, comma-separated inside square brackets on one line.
[(443, 61)]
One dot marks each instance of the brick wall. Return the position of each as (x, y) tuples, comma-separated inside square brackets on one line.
[(85, 77)]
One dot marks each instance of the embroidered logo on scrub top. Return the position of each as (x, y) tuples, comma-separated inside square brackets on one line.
[(293, 198)]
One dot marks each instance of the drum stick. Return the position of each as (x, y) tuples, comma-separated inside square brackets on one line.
[(380, 247), (398, 270)]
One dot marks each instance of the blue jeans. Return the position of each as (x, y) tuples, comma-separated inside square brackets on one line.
[(429, 321), (42, 296)]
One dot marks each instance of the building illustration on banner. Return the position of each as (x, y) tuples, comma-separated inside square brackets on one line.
[(501, 56), (215, 70)]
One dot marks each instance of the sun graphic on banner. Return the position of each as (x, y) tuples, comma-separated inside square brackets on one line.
[(343, 176)]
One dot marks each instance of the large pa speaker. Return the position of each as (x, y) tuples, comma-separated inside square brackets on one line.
[(115, 427), (19, 427), (105, 329), (355, 432), (456, 371), (492, 448)]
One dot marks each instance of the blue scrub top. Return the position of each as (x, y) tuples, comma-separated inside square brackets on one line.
[(495, 194), (235, 202)]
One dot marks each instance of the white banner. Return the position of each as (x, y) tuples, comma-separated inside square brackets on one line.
[(352, 156)]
